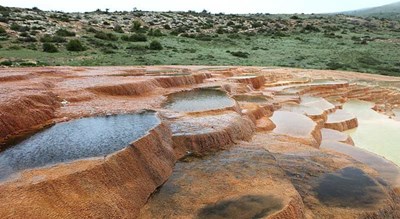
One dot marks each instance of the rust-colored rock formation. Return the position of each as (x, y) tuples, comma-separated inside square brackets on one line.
[(26, 112), (114, 187), (274, 150), (202, 135), (341, 121), (255, 81)]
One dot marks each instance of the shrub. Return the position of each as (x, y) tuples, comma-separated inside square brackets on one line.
[(75, 46), (52, 39), (136, 26), (6, 63), (155, 45), (230, 23), (135, 38), (48, 47), (24, 34), (118, 29), (203, 37), (19, 28), (155, 33), (133, 48), (333, 65), (28, 39), (311, 28), (240, 54), (91, 30), (3, 32), (106, 36), (167, 27), (65, 33)]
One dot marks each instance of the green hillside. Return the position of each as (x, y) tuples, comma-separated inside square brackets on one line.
[(391, 11), (32, 37)]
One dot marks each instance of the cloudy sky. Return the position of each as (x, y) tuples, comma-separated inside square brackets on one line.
[(215, 6)]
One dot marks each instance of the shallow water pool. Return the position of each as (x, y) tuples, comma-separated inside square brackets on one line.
[(77, 139), (376, 132), (198, 100)]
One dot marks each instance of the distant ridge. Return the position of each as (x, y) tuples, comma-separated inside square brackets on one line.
[(390, 11)]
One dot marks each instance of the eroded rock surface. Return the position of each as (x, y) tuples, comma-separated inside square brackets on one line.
[(239, 142)]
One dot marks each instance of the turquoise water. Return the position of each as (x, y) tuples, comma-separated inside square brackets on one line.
[(376, 132), (77, 139)]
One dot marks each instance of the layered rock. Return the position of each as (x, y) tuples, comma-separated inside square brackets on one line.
[(205, 134), (127, 89), (116, 186), (177, 81), (341, 121), (255, 81), (241, 182), (26, 113)]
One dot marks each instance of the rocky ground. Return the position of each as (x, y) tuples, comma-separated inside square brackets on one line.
[(270, 146)]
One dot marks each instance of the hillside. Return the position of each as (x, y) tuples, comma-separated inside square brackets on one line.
[(32, 37), (390, 11)]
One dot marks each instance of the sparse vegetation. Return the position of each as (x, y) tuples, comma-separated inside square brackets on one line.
[(304, 41)]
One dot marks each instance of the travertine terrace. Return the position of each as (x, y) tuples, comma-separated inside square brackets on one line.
[(271, 144)]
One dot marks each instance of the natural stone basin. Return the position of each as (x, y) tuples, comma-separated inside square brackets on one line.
[(312, 112), (250, 206), (389, 171), (317, 102), (349, 187), (198, 100), (250, 98), (292, 124), (78, 139), (376, 132)]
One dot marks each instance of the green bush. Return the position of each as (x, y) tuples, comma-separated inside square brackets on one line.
[(155, 33), (106, 36), (52, 39), (28, 39), (134, 47), (19, 28), (3, 32), (48, 47), (155, 45), (6, 63), (65, 33), (135, 38), (75, 46), (118, 29), (136, 26), (240, 54)]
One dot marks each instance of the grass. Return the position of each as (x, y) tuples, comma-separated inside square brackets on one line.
[(301, 50), (343, 47)]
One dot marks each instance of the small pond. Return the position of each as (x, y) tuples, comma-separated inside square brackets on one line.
[(376, 132), (77, 139), (198, 100)]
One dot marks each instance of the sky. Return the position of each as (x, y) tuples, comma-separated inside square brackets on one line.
[(215, 6)]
